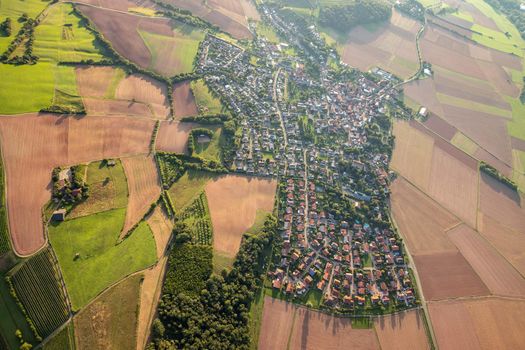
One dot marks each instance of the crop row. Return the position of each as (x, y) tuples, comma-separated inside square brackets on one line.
[(37, 286)]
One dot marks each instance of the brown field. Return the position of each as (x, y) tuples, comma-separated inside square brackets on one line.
[(286, 326), (277, 321), (497, 274), (110, 321), (229, 15), (183, 100), (161, 226), (121, 30), (242, 196), (149, 298), (507, 241), (422, 222), (488, 323), (402, 331), (143, 187), (448, 275), (173, 136), (412, 156), (144, 89), (501, 203), (41, 142), (94, 81), (391, 47), (454, 184), (440, 127), (315, 330)]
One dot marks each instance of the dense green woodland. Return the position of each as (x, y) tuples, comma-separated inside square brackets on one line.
[(217, 317), (345, 17)]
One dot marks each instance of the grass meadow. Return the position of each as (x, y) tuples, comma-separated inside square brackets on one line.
[(206, 102), (92, 259), (188, 188)]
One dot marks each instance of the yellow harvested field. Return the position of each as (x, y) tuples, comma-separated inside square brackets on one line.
[(498, 275), (487, 323), (94, 81), (454, 185), (233, 202), (421, 221), (143, 187), (402, 331), (412, 156)]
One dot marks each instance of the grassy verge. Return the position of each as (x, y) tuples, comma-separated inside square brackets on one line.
[(65, 340)]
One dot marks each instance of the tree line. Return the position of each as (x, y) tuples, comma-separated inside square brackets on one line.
[(345, 17)]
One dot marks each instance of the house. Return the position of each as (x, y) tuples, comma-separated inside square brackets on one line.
[(59, 215)]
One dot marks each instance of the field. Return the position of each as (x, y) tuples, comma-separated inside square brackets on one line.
[(497, 274), (165, 46), (64, 340), (50, 83), (391, 46), (173, 136), (422, 221), (110, 321), (188, 188), (402, 331), (210, 150), (286, 326), (230, 16), (488, 323), (90, 257), (108, 189), (240, 195), (143, 187), (44, 142), (183, 100), (38, 287), (206, 102)]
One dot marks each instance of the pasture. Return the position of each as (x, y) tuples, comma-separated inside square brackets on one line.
[(108, 189), (90, 257), (47, 141), (206, 102), (64, 340), (110, 321), (243, 196), (188, 188)]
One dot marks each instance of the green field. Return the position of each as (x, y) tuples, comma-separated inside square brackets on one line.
[(14, 9), (464, 143), (210, 150), (172, 55), (474, 106), (5, 244), (59, 37), (108, 189), (516, 126), (37, 286), (518, 164), (206, 102), (115, 313), (64, 340), (90, 257), (188, 187), (267, 31)]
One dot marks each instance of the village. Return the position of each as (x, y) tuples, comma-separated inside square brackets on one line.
[(328, 141)]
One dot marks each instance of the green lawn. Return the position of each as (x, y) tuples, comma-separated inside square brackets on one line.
[(188, 187), (90, 257), (267, 31), (108, 189), (206, 102), (210, 150)]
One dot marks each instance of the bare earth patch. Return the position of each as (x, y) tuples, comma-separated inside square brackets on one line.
[(233, 202), (183, 100), (173, 136), (276, 325), (143, 187)]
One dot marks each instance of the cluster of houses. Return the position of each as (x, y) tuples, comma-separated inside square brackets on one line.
[(303, 139)]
